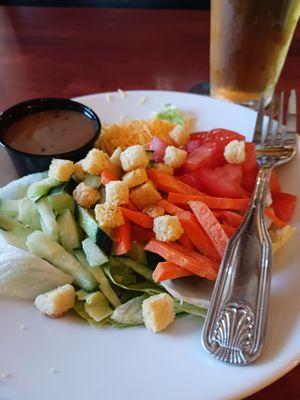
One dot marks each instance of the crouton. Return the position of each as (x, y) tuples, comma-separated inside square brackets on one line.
[(117, 192), (56, 302), (115, 157), (95, 162), (174, 157), (234, 152), (167, 228), (79, 173), (109, 215), (86, 196), (133, 157), (158, 312), (61, 170), (145, 195), (179, 135), (135, 177)]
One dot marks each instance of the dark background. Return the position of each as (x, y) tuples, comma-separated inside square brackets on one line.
[(162, 4)]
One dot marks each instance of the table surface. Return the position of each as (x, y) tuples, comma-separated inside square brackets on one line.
[(69, 52)]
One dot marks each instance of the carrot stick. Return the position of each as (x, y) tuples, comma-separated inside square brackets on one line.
[(186, 241), (192, 228), (132, 206), (168, 270), (167, 183), (140, 234), (108, 176), (229, 217), (177, 254), (229, 230), (137, 217), (212, 202), (122, 239), (211, 225), (277, 221)]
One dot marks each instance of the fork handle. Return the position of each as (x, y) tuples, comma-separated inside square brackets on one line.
[(235, 325)]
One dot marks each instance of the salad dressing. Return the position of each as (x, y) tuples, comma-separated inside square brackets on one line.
[(50, 132)]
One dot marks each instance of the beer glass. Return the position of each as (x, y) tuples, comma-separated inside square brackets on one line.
[(249, 43)]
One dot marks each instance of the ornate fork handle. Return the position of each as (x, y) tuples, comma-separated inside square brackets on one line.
[(235, 325)]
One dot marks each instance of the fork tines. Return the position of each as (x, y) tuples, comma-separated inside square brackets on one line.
[(281, 134)]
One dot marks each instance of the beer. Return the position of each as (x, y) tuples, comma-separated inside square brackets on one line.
[(249, 43)]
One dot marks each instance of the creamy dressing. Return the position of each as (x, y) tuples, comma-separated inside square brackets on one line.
[(50, 132)]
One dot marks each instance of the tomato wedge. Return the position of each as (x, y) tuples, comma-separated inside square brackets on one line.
[(274, 183), (224, 181), (284, 205), (217, 135), (250, 168), (207, 155)]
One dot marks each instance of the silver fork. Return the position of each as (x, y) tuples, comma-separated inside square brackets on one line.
[(235, 326)]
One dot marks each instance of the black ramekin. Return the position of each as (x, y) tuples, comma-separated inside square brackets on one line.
[(26, 163)]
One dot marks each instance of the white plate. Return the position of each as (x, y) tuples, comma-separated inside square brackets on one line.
[(134, 364)]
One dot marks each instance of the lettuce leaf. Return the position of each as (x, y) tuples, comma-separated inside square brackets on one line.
[(23, 274), (17, 189), (191, 290), (171, 114)]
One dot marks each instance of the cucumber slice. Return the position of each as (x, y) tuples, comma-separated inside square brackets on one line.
[(137, 253), (61, 201), (68, 231), (45, 247), (8, 224), (39, 189), (88, 223), (9, 207), (101, 278), (28, 214), (94, 254), (47, 218), (62, 188), (93, 181)]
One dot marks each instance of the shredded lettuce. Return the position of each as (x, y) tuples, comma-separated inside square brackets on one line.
[(129, 313), (137, 267), (182, 307), (122, 276), (170, 113), (95, 306), (80, 310)]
